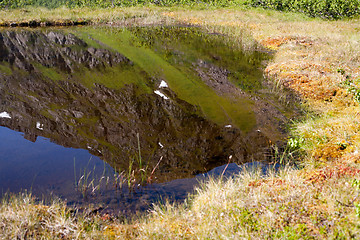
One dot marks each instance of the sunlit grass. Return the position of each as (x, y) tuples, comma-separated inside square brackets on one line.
[(254, 208), (278, 206), (315, 202), (22, 218), (148, 15)]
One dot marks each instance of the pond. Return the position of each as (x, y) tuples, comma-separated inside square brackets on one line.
[(126, 117)]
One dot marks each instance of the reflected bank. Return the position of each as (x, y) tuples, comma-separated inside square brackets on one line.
[(156, 104)]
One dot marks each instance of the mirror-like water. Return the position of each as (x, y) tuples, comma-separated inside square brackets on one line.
[(133, 106)]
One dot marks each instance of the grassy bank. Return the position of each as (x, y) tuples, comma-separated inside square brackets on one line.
[(251, 207), (317, 60)]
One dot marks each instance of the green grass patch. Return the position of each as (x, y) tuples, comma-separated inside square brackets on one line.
[(48, 72), (112, 77), (5, 68)]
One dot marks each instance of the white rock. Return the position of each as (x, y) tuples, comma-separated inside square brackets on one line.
[(163, 84), (40, 126), (161, 94), (4, 115), (228, 126)]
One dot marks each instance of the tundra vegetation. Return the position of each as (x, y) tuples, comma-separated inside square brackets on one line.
[(315, 58)]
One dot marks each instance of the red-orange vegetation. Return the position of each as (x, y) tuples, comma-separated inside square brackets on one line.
[(328, 152), (274, 43), (326, 173), (269, 182), (312, 81)]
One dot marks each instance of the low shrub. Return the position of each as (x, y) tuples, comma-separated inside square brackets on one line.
[(330, 9)]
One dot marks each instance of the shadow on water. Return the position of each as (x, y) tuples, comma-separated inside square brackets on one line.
[(159, 105)]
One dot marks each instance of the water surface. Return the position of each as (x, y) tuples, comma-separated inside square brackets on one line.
[(144, 106)]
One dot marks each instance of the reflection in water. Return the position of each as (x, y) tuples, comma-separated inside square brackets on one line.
[(159, 103), (47, 169), (43, 167)]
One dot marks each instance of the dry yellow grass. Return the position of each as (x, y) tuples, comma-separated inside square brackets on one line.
[(130, 15), (285, 207)]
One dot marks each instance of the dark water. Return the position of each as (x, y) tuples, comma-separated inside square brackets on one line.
[(126, 117)]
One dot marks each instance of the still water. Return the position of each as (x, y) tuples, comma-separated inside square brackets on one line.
[(126, 117)]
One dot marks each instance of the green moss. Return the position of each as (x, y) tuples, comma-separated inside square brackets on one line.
[(91, 120), (45, 113), (54, 106), (50, 73), (33, 94), (112, 77), (5, 68), (83, 131)]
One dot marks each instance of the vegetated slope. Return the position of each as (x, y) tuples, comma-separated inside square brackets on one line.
[(319, 201), (321, 67), (330, 9)]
